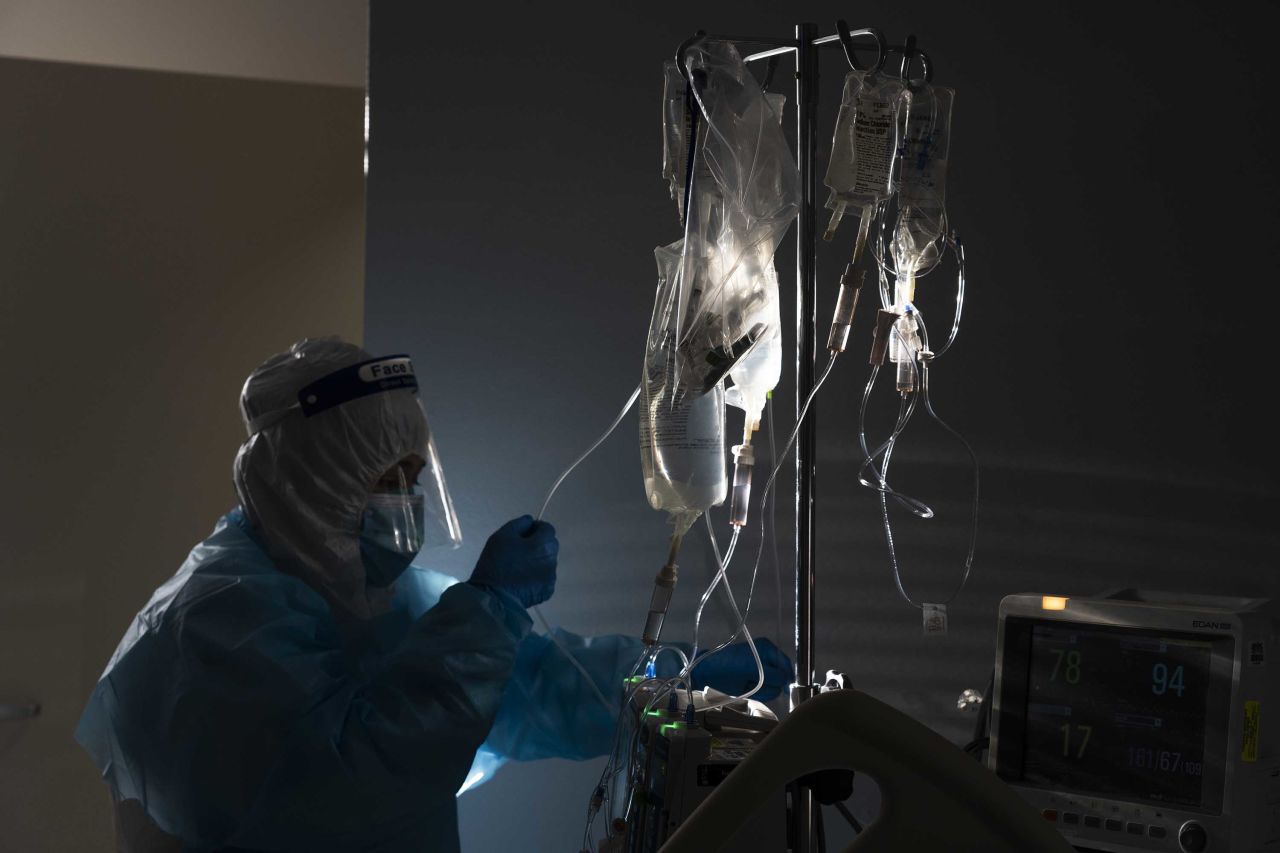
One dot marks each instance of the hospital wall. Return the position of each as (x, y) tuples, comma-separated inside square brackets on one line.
[(1113, 180), (160, 234)]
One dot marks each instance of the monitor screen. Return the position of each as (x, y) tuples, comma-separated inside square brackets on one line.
[(1120, 713)]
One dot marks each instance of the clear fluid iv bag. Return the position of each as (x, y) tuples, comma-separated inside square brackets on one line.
[(717, 291), (862, 148), (682, 447), (757, 373), (920, 180)]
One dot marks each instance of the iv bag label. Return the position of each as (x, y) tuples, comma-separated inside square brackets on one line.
[(935, 620), (669, 428), (1252, 731), (873, 145), (862, 149)]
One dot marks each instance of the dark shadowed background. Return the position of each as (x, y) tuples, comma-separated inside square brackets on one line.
[(1112, 176)]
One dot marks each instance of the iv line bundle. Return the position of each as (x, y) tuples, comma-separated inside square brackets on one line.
[(714, 336), (715, 314), (889, 161), (715, 322)]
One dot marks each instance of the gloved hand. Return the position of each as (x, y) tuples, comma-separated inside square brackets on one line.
[(733, 670), (520, 559)]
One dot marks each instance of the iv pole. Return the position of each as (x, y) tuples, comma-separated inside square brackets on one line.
[(807, 47)]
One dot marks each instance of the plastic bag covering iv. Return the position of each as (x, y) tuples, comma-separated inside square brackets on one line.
[(716, 308)]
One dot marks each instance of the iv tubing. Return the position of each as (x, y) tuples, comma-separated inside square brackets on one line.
[(586, 676), (631, 401), (906, 409), (721, 576), (742, 615), (742, 630), (612, 767), (546, 626)]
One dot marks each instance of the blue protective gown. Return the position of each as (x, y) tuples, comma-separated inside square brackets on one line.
[(243, 716)]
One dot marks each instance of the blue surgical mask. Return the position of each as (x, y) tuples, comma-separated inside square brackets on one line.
[(391, 536)]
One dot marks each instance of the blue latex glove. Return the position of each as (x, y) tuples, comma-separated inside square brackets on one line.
[(520, 559), (733, 670)]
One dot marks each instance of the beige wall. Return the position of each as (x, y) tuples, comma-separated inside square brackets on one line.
[(304, 41), (160, 234)]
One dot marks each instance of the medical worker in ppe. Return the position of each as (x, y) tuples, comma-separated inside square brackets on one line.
[(293, 687)]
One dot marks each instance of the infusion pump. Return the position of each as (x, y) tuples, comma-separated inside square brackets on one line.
[(1142, 721)]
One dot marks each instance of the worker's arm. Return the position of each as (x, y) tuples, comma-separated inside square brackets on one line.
[(550, 711), (250, 725)]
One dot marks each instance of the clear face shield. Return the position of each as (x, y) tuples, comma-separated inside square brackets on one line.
[(407, 508), (410, 505), (408, 511)]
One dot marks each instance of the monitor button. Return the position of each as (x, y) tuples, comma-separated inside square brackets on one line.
[(1136, 829), (1070, 817), (1092, 821), (1050, 814), (1192, 838), (1114, 825), (1156, 831)]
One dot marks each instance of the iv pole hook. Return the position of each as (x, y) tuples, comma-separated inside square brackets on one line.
[(846, 42)]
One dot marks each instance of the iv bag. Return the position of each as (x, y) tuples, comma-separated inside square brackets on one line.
[(863, 146), (757, 373), (682, 447), (920, 177), (745, 192), (717, 290)]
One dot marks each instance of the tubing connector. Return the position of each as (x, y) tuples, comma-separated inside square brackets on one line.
[(664, 586), (744, 460), (904, 348), (846, 305), (884, 328), (837, 213)]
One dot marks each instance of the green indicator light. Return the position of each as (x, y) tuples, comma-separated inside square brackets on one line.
[(671, 727)]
